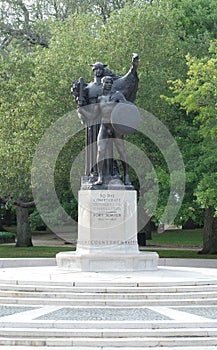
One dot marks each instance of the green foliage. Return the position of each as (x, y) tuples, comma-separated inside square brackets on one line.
[(35, 220), (7, 237), (197, 95), (19, 128), (70, 204), (197, 19)]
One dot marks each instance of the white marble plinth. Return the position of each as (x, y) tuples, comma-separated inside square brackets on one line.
[(107, 262), (107, 234)]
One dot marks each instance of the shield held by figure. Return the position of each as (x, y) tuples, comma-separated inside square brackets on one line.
[(125, 118)]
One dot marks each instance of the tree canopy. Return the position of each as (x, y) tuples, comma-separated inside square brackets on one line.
[(197, 95)]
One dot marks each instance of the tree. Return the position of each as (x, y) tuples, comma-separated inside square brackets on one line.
[(197, 95), (27, 23), (196, 20), (20, 24), (2, 202), (24, 237), (17, 133)]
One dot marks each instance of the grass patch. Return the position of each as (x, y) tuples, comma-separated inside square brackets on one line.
[(9, 251), (177, 238), (181, 254)]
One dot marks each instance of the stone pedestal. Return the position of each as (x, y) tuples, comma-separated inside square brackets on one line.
[(107, 234)]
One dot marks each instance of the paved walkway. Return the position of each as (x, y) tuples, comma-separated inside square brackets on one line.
[(47, 239)]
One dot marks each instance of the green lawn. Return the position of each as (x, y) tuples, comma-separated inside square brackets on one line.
[(181, 254), (10, 251), (177, 238), (188, 242)]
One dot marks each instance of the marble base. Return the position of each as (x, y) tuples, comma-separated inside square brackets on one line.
[(107, 262), (107, 234)]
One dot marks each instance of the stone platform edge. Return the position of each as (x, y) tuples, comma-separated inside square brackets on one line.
[(34, 262), (26, 262)]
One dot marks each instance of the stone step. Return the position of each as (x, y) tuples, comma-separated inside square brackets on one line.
[(92, 282), (107, 333), (107, 348), (149, 342), (122, 289), (121, 295), (108, 302), (109, 325)]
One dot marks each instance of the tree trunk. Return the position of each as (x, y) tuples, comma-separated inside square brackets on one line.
[(148, 230), (8, 217), (1, 224), (2, 201), (23, 228), (209, 232)]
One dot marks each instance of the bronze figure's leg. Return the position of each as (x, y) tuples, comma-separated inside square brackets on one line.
[(119, 143), (102, 142), (87, 160)]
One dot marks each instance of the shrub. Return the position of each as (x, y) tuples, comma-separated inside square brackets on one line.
[(7, 237)]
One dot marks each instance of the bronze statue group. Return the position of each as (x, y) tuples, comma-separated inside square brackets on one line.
[(106, 108)]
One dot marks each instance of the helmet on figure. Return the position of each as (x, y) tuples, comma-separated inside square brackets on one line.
[(97, 65)]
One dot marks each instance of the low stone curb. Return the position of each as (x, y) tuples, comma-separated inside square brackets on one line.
[(31, 262)]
